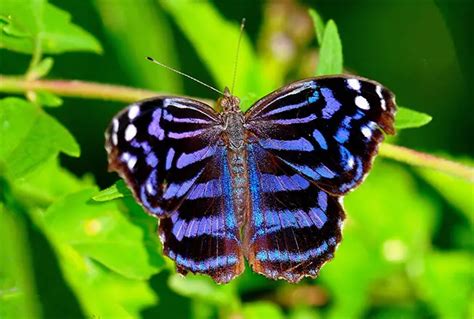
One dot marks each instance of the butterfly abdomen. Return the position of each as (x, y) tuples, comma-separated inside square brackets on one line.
[(239, 175)]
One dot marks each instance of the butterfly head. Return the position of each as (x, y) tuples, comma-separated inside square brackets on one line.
[(229, 102)]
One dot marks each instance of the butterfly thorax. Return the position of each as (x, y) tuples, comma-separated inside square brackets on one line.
[(233, 121)]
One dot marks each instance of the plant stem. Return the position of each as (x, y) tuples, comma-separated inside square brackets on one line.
[(415, 158), (91, 90), (80, 89)]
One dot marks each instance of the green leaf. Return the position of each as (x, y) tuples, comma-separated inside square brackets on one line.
[(318, 25), (330, 54), (29, 137), (203, 288), (18, 294), (42, 68), (45, 98), (261, 309), (131, 49), (101, 232), (408, 118), (388, 228), (93, 283), (219, 58), (27, 25), (49, 182), (446, 283), (118, 190)]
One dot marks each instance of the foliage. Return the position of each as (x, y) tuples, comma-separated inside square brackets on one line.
[(71, 250)]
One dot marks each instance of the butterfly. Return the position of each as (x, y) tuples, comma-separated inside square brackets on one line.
[(265, 185)]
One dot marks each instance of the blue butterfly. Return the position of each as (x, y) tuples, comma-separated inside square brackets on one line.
[(265, 185)]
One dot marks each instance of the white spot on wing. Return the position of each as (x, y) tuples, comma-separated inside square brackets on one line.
[(115, 125), (362, 103), (129, 159), (133, 112), (350, 162), (114, 138), (378, 89), (130, 132), (354, 84), (150, 188), (131, 162), (366, 131)]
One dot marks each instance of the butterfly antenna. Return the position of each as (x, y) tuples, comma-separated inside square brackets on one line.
[(242, 25), (184, 74)]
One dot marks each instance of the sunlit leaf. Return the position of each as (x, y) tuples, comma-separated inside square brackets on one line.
[(118, 190), (42, 68), (388, 226), (407, 118), (50, 182), (257, 310), (318, 25), (101, 232), (18, 293), (155, 40), (204, 288), (27, 25), (44, 98), (29, 137), (330, 54)]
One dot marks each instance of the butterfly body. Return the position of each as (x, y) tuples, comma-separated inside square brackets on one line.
[(265, 185)]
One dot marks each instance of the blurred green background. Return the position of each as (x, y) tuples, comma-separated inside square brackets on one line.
[(407, 248)]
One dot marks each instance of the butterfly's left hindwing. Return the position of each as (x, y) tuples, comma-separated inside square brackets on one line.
[(327, 129)]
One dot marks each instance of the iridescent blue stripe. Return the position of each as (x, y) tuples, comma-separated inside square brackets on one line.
[(285, 256), (254, 188), (175, 135), (316, 173), (332, 105), (275, 221), (300, 144), (206, 264), (286, 108), (154, 128), (151, 159), (320, 139), (209, 189), (191, 158), (169, 158), (301, 120), (227, 190), (277, 183), (178, 190)]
